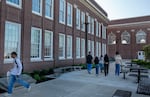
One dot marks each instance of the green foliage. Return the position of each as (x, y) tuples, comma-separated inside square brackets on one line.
[(37, 77), (142, 63), (147, 52)]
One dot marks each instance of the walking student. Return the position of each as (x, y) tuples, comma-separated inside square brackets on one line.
[(89, 59), (15, 74), (106, 64), (96, 61), (101, 63), (118, 62)]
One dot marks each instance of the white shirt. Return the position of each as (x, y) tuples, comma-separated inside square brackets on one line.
[(17, 69), (118, 59)]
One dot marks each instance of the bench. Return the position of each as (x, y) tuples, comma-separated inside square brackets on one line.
[(144, 87), (76, 68), (122, 93), (124, 73), (4, 82)]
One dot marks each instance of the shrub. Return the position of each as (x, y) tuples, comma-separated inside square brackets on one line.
[(37, 77)]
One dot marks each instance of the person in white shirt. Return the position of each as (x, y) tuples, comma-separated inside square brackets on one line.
[(118, 62), (15, 73)]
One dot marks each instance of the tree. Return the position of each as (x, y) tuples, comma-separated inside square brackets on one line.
[(147, 52)]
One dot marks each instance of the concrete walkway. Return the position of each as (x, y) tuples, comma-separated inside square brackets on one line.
[(81, 84)]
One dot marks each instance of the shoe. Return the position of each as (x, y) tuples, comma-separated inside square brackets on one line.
[(29, 89), (7, 95)]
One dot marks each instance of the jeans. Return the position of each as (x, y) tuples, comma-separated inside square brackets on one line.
[(101, 66), (89, 67), (97, 69), (117, 71), (13, 79)]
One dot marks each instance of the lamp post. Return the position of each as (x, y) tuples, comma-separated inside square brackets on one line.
[(86, 38)]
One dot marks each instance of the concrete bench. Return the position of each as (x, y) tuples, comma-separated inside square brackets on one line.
[(122, 93), (4, 82), (124, 73), (76, 68)]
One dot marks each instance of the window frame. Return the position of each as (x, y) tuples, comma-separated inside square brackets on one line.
[(82, 48), (48, 17), (40, 48), (83, 21), (60, 21), (78, 19), (78, 44), (141, 33), (71, 9), (41, 7), (63, 57), (127, 35), (51, 56), (15, 5), (69, 57), (112, 35), (19, 41)]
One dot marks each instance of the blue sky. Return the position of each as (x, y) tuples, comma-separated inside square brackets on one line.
[(118, 9)]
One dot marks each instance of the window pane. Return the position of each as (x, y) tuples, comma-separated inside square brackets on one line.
[(69, 46), (17, 2), (83, 21), (49, 8), (83, 48), (12, 42), (77, 47), (78, 19), (61, 46), (111, 38), (69, 14), (36, 6), (141, 37), (62, 11), (35, 43)]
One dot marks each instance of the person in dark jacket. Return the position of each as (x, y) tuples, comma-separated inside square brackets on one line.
[(89, 59), (96, 61), (106, 64)]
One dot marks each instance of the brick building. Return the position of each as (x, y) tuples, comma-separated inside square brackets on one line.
[(50, 33), (128, 36)]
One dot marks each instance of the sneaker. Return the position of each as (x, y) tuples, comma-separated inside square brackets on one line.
[(7, 95), (29, 89)]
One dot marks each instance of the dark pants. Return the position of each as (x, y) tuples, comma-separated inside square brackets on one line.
[(106, 69), (97, 69)]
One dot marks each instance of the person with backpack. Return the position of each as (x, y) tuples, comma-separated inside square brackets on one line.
[(96, 61), (89, 59), (15, 74), (106, 64)]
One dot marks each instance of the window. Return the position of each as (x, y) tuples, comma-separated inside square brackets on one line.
[(48, 45), (49, 7), (16, 3), (69, 47), (82, 48), (92, 26), (61, 46), (78, 19), (89, 45), (62, 8), (69, 14), (97, 28), (83, 21), (89, 25), (37, 7), (77, 47), (12, 40), (103, 49), (97, 49), (36, 43), (141, 37), (125, 38), (103, 32), (111, 38), (100, 53), (92, 47)]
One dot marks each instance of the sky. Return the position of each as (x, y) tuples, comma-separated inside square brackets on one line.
[(118, 9)]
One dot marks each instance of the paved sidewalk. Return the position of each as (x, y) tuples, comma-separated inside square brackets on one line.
[(81, 84)]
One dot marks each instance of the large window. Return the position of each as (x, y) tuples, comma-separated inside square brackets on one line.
[(37, 7), (61, 46), (12, 40), (97, 28), (125, 38), (100, 52), (78, 19), (111, 38), (82, 48), (77, 47), (49, 7), (36, 43), (103, 32), (83, 21), (92, 26), (89, 25), (89, 46), (141, 37), (92, 47), (62, 11), (48, 45), (69, 47), (97, 49), (104, 49), (69, 14), (16, 3)]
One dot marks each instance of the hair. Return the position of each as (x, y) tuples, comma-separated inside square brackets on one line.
[(14, 53), (117, 53), (101, 55)]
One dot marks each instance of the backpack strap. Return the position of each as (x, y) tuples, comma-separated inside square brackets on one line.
[(16, 63)]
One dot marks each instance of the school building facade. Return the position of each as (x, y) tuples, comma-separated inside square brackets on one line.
[(128, 36), (51, 33)]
